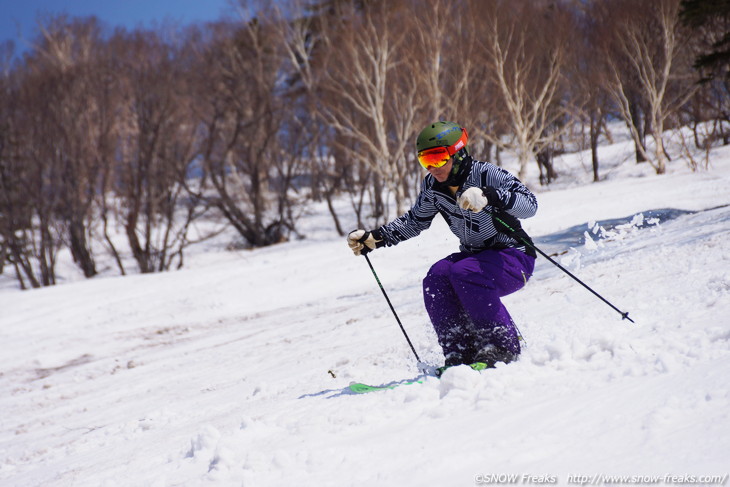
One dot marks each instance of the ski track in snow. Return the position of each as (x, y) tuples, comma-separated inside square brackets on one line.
[(235, 371)]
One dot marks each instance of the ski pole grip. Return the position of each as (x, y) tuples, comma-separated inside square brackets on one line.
[(365, 249)]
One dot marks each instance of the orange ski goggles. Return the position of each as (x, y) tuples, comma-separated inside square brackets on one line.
[(439, 156)]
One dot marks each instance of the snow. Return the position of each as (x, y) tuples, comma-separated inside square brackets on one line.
[(234, 370)]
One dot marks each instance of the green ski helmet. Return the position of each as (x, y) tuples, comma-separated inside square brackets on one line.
[(442, 134), (440, 142)]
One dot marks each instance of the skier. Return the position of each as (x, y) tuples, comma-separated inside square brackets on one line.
[(462, 291)]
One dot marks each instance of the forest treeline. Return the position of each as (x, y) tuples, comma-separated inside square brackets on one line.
[(125, 143)]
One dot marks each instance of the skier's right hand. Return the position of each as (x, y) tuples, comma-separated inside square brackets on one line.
[(362, 241)]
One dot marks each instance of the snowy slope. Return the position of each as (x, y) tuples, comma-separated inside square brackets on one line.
[(233, 371)]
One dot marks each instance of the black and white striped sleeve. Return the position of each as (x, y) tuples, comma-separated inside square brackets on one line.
[(506, 192), (414, 221)]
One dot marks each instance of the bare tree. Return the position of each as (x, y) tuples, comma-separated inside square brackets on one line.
[(526, 45), (302, 35), (370, 96), (28, 192), (471, 98), (6, 55), (440, 54), (247, 128), (587, 76), (155, 147), (646, 44), (77, 137)]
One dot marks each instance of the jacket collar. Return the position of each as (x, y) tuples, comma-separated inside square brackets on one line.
[(457, 177)]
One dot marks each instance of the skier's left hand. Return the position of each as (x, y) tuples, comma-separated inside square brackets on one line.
[(473, 199)]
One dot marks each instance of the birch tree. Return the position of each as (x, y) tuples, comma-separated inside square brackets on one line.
[(303, 38), (646, 44), (370, 96), (526, 46)]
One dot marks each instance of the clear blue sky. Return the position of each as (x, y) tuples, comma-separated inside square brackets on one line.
[(18, 17)]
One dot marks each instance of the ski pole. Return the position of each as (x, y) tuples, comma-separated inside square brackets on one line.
[(391, 306), (624, 315)]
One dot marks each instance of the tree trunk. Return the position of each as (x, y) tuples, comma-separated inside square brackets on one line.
[(595, 131), (79, 249)]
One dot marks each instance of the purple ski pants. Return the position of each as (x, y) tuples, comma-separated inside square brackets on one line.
[(462, 294)]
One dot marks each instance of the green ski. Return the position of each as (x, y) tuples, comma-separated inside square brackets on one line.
[(360, 388)]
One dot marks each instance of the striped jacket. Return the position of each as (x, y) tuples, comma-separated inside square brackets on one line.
[(508, 198)]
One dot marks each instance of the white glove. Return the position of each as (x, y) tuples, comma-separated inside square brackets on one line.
[(473, 199), (361, 241)]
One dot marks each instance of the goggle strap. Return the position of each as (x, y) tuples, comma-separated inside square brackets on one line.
[(460, 144)]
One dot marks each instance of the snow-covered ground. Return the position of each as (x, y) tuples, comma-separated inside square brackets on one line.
[(234, 371)]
